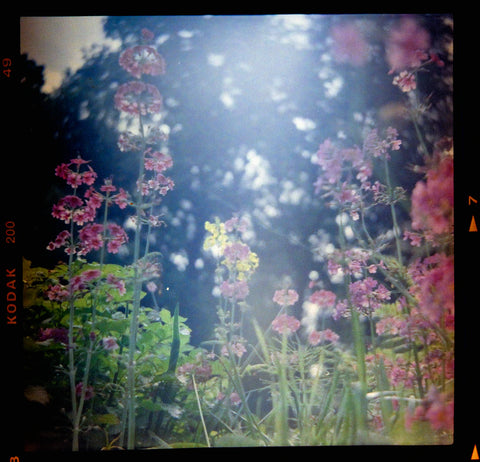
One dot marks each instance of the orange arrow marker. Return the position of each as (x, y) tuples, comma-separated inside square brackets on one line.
[(475, 453), (473, 226), (471, 199)]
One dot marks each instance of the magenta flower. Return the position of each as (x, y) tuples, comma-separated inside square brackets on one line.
[(405, 81), (138, 98), (237, 290), (349, 44), (237, 348), (236, 251), (142, 59), (157, 161), (323, 298), (90, 275), (57, 334), (367, 295), (236, 224), (407, 45), (432, 201), (119, 284), (284, 323), (235, 399), (109, 343), (285, 297), (117, 237), (88, 391), (327, 335)]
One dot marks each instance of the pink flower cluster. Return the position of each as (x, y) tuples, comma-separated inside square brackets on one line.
[(284, 323), (407, 44), (327, 335), (138, 98), (349, 45), (432, 200), (236, 290), (351, 261), (379, 147), (236, 251), (202, 372), (335, 162), (157, 161), (89, 391), (74, 208), (324, 299), (237, 348), (142, 59), (285, 297), (75, 178), (433, 287), (81, 282), (236, 224), (437, 409), (366, 296), (57, 334)]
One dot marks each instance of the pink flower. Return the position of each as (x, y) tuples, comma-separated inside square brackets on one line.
[(121, 199), (323, 298), (138, 98), (235, 224), (237, 290), (237, 348), (127, 141), (284, 323), (142, 59), (349, 44), (434, 287), (58, 334), (88, 391), (108, 186), (235, 399), (109, 343), (236, 251), (367, 295), (405, 81), (57, 293), (90, 275), (406, 45), (117, 237), (326, 335), (119, 284), (147, 35), (157, 161), (285, 297), (90, 238), (432, 201)]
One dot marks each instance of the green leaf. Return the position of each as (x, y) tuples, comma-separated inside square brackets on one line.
[(106, 419)]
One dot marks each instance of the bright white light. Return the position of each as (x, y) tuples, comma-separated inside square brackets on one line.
[(303, 124), (333, 87), (215, 60), (227, 99), (180, 260)]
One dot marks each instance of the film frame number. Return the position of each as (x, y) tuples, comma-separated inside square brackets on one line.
[(10, 232), (7, 66)]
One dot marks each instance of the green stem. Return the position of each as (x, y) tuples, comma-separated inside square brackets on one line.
[(281, 415), (137, 285), (200, 411), (396, 229)]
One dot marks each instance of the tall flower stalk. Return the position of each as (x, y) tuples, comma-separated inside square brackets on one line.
[(139, 99)]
